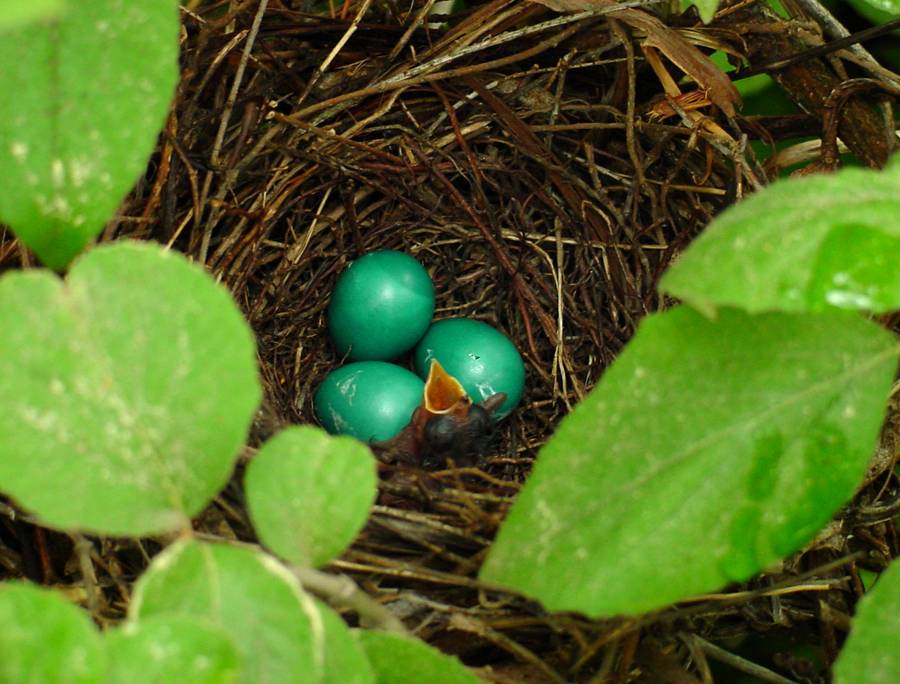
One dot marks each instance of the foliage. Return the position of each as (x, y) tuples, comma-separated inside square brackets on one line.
[(870, 655), (92, 89), (709, 450), (170, 648), (15, 12), (727, 432), (706, 8), (301, 478), (401, 660), (805, 245), (46, 639), (281, 633), (713, 446), (134, 380), (877, 11)]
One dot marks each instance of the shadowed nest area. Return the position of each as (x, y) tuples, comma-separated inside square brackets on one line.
[(545, 161)]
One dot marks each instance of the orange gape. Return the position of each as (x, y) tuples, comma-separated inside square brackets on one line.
[(443, 393), (447, 426)]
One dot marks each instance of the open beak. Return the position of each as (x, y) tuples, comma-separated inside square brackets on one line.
[(445, 425), (443, 393)]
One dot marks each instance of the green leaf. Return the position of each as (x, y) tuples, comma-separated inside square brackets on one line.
[(867, 577), (399, 660), (17, 12), (706, 8), (45, 639), (802, 244), (84, 99), (708, 450), (778, 8), (345, 658), (309, 494), (129, 387), (877, 11), (870, 654), (856, 269), (171, 648), (891, 7), (282, 634)]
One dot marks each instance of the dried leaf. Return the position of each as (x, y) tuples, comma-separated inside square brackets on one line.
[(719, 88)]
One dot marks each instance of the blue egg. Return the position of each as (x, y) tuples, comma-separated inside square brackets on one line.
[(381, 306), (369, 400), (480, 357)]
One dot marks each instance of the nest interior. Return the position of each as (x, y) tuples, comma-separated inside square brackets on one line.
[(531, 161)]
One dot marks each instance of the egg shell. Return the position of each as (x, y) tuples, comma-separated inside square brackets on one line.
[(381, 306), (483, 359), (369, 400)]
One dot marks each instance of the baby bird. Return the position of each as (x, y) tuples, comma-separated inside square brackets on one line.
[(446, 427)]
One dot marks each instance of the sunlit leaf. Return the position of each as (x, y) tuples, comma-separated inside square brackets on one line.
[(878, 11), (706, 8), (127, 390), (281, 633), (17, 12), (870, 654), (170, 648), (84, 97), (708, 450), (44, 638), (401, 660), (803, 244), (309, 494)]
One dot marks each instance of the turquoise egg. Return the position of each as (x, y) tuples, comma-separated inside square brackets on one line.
[(483, 359), (381, 306), (369, 400)]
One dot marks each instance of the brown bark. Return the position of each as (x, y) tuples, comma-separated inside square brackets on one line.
[(809, 82)]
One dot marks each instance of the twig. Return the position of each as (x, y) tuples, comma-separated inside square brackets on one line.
[(738, 663), (419, 19), (88, 577), (826, 49), (343, 591), (223, 124), (836, 30), (633, 154), (465, 623), (425, 72), (833, 105), (323, 67), (340, 590)]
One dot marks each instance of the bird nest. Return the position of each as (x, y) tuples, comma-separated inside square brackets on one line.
[(542, 169)]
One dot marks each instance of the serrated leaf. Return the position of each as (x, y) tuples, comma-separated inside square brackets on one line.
[(767, 252), (870, 654), (44, 638), (16, 12), (127, 390), (706, 8), (84, 98), (309, 494), (282, 634), (170, 648), (401, 660), (708, 450)]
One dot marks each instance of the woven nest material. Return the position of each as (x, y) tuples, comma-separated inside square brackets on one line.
[(528, 160)]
